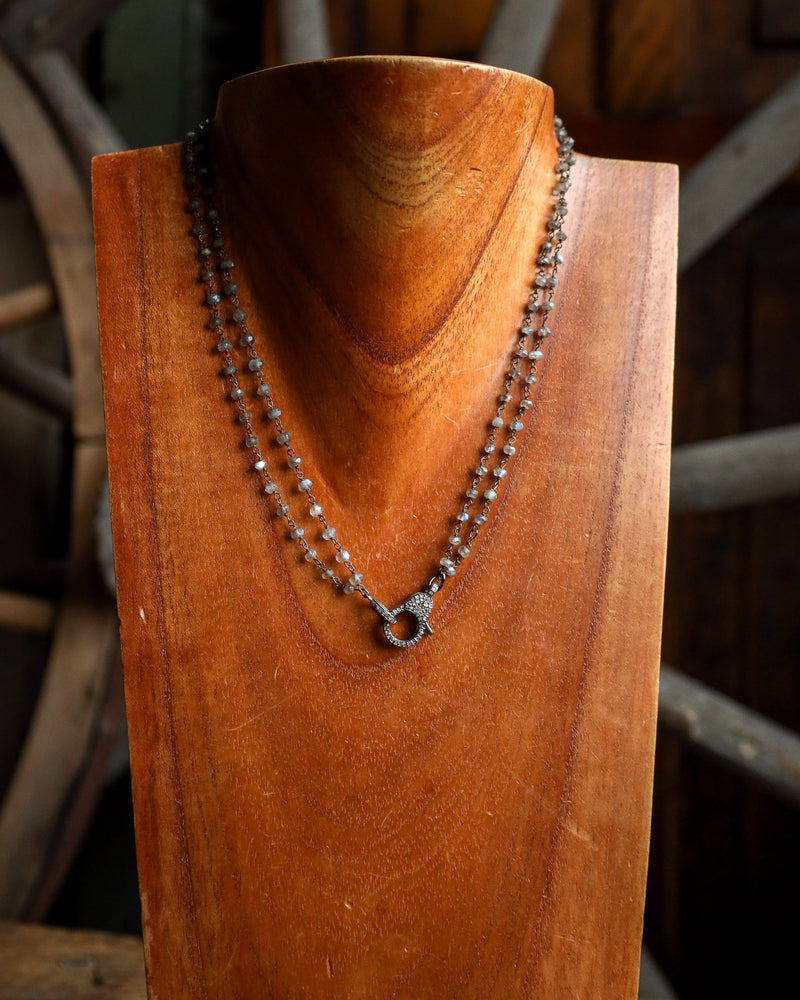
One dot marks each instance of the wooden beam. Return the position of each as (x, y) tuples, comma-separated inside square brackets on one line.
[(63, 727), (26, 305), (84, 124), (736, 471), (519, 34), (652, 982), (303, 30), (734, 735), (737, 174), (23, 613), (35, 382), (59, 203)]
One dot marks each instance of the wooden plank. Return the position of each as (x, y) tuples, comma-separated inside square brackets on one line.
[(698, 805), (741, 739), (643, 67), (422, 27), (739, 172), (519, 34), (571, 66), (47, 963), (25, 305), (303, 30), (736, 471), (25, 613), (385, 26), (778, 21), (447, 27), (771, 611)]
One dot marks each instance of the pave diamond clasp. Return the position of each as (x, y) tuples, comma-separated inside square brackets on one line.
[(420, 606)]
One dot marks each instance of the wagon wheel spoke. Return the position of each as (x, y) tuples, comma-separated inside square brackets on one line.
[(303, 30), (41, 384), (739, 172), (735, 471), (519, 34), (63, 735), (25, 613), (28, 24), (26, 305)]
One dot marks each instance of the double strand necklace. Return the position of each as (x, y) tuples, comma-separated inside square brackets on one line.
[(228, 323)]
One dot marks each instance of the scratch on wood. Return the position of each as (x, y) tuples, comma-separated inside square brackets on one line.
[(258, 715)]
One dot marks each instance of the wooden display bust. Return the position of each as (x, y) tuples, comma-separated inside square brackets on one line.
[(319, 814)]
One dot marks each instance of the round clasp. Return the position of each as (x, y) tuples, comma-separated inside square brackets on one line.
[(420, 606)]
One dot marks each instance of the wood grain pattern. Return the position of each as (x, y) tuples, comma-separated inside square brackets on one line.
[(316, 814), (644, 52), (48, 963)]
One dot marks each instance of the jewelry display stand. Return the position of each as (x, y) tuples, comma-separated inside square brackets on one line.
[(319, 814)]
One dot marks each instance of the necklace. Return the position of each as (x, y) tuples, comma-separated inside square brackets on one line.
[(228, 322)]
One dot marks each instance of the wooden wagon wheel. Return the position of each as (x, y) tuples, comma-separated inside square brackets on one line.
[(84, 639), (517, 39)]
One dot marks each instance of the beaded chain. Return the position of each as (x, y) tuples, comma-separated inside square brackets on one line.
[(228, 321)]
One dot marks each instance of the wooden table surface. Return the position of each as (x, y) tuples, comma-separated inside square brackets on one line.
[(49, 963)]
